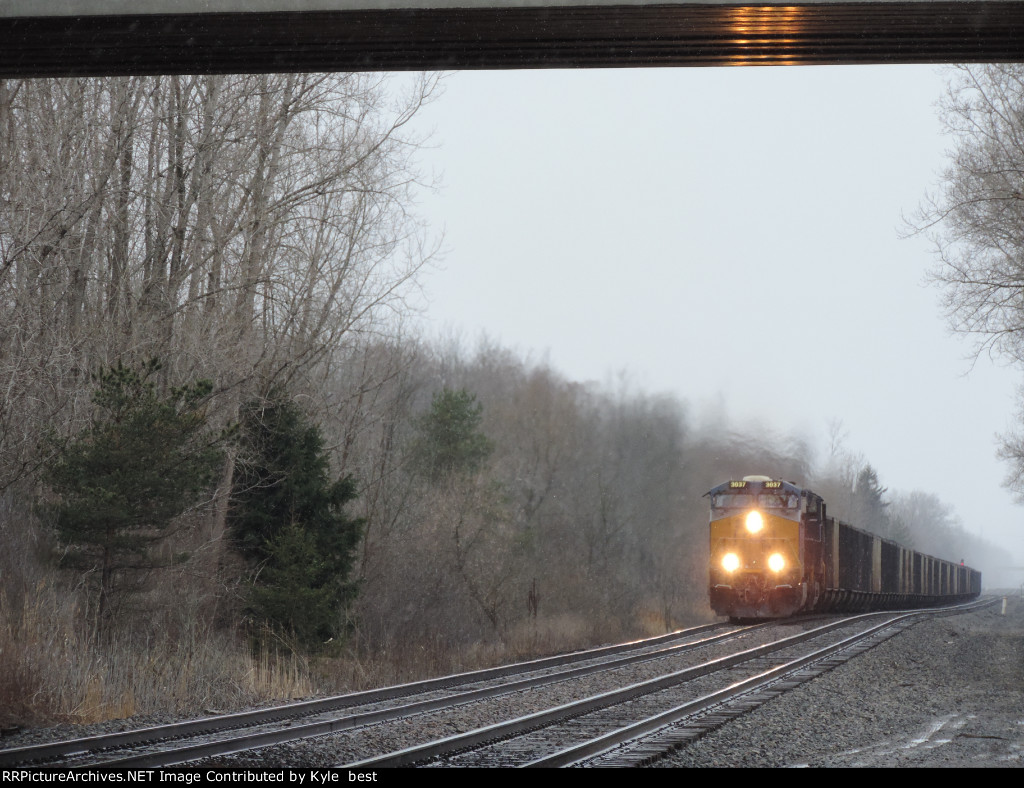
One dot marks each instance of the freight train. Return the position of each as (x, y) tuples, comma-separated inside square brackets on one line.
[(775, 552)]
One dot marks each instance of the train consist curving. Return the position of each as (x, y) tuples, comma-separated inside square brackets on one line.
[(774, 552)]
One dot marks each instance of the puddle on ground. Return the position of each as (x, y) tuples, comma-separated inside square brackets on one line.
[(928, 741)]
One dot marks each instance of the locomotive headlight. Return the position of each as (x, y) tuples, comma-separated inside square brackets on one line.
[(755, 522), (776, 562), (730, 562)]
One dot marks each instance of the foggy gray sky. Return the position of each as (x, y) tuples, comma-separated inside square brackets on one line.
[(731, 236)]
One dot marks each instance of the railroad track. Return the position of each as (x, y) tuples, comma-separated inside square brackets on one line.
[(638, 724), (178, 743), (615, 705)]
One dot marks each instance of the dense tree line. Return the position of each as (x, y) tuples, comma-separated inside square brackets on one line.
[(252, 233), (245, 230), (581, 505)]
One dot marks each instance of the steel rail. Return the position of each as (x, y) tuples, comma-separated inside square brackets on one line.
[(490, 733), (219, 723), (252, 741), (606, 744)]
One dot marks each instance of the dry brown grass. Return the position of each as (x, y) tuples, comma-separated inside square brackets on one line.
[(401, 660), (53, 670)]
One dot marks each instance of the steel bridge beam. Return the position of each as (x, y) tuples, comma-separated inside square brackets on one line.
[(51, 38)]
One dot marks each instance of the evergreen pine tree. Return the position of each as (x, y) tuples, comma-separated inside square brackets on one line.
[(287, 519), (449, 439), (143, 461), (873, 509)]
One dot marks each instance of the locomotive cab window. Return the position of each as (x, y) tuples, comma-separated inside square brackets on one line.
[(777, 501), (730, 504), (727, 501)]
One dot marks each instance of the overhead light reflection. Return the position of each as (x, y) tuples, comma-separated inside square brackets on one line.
[(765, 34)]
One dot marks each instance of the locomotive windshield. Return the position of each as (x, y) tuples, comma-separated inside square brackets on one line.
[(733, 501), (746, 501), (771, 501), (727, 504)]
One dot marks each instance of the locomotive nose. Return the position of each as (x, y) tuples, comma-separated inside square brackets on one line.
[(752, 590)]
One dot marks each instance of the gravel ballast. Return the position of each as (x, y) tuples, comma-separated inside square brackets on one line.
[(946, 692)]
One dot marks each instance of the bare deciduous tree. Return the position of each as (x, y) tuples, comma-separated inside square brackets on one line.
[(241, 228), (976, 218)]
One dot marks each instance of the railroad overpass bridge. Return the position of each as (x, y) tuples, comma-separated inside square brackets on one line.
[(40, 38)]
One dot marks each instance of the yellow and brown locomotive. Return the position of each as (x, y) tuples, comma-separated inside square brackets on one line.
[(774, 552)]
